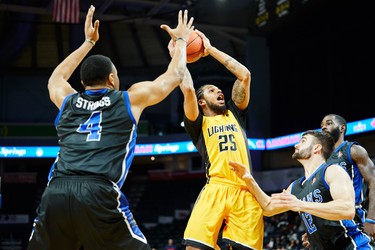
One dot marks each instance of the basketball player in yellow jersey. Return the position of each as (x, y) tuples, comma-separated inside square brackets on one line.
[(217, 130)]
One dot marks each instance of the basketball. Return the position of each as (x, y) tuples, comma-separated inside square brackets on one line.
[(194, 48)]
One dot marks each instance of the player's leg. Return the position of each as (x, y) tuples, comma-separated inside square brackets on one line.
[(244, 226), (206, 219), (52, 226), (107, 223)]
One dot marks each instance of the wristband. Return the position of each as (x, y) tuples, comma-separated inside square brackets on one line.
[(180, 38), (370, 221), (90, 41)]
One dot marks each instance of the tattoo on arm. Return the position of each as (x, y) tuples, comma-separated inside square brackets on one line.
[(238, 92), (230, 64)]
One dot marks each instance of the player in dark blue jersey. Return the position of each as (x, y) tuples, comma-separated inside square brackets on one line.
[(324, 197), (355, 159), (82, 206)]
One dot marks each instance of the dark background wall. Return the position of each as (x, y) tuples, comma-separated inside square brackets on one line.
[(321, 64)]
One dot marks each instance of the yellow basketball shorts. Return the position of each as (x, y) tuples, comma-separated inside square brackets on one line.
[(236, 207)]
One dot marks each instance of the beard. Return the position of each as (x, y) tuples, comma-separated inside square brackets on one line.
[(335, 133), (302, 154), (219, 109)]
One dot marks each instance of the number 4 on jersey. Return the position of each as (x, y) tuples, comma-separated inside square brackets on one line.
[(92, 127)]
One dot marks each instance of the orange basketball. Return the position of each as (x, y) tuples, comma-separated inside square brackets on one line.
[(194, 48)]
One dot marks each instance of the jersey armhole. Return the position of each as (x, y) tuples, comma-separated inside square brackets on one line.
[(323, 176), (62, 108), (349, 154), (127, 102)]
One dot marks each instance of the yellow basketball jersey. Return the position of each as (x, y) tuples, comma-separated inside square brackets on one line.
[(225, 197), (224, 140)]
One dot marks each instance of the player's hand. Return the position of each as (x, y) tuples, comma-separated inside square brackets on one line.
[(305, 241), (287, 201), (183, 29), (206, 43), (91, 31), (240, 170)]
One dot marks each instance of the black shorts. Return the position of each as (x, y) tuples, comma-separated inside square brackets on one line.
[(85, 213)]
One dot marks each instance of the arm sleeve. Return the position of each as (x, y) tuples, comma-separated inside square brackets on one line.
[(239, 114), (194, 128)]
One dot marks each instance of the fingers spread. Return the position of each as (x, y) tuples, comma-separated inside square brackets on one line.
[(190, 24), (180, 16), (185, 16)]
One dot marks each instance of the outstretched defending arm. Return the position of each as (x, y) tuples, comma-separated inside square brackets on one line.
[(263, 199), (147, 93), (58, 85), (342, 207)]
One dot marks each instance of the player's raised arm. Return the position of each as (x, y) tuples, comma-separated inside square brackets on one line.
[(58, 85), (148, 93)]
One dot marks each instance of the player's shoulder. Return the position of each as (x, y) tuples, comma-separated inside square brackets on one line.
[(357, 150), (334, 170), (333, 166)]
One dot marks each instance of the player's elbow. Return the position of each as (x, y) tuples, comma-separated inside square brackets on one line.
[(347, 216), (51, 87), (349, 213), (245, 76)]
